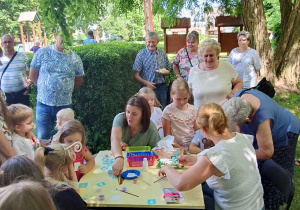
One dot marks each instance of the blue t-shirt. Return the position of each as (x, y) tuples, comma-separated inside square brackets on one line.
[(283, 121), (89, 40), (57, 72)]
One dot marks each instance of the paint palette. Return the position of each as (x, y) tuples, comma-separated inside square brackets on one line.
[(131, 174)]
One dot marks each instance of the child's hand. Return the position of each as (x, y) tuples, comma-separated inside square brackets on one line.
[(123, 145), (32, 138), (159, 126), (72, 157), (187, 160), (82, 169)]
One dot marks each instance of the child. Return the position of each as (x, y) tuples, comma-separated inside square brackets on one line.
[(156, 113), (179, 116), (63, 116), (22, 117), (73, 131), (55, 160), (199, 143)]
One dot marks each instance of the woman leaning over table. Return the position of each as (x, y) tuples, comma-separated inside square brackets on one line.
[(245, 60), (275, 132), (229, 168), (132, 128), (212, 80), (187, 57)]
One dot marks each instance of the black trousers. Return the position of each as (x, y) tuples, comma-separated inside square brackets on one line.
[(17, 98)]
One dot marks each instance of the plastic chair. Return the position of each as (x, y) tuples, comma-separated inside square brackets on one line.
[(281, 178)]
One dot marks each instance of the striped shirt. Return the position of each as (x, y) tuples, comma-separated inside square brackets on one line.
[(14, 78), (147, 63)]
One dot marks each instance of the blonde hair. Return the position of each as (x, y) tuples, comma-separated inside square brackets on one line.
[(6, 116), (64, 114), (194, 36), (180, 86), (147, 91), (71, 127), (19, 113), (25, 195), (208, 43), (211, 116)]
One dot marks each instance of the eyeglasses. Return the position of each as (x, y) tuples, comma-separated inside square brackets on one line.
[(7, 42)]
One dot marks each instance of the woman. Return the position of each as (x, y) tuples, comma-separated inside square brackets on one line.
[(275, 132), (245, 60), (187, 57), (132, 128), (212, 80), (229, 168), (20, 168)]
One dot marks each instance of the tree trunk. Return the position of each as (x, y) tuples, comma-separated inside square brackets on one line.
[(254, 20), (287, 56)]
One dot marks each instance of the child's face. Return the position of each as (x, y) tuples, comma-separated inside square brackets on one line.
[(64, 120), (73, 138), (26, 126), (180, 100), (151, 99)]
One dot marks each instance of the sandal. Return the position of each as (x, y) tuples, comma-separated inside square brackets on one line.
[(297, 163)]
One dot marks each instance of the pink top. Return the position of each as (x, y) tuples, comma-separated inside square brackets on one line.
[(79, 159), (182, 123)]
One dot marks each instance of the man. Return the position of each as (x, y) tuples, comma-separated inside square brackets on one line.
[(147, 62), (14, 83), (90, 39), (36, 47), (55, 74)]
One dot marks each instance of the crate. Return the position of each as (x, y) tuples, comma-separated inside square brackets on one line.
[(138, 149), (137, 161), (138, 154)]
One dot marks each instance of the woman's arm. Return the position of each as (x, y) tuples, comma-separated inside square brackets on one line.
[(116, 136), (237, 85), (192, 177), (176, 71), (5, 147), (264, 141)]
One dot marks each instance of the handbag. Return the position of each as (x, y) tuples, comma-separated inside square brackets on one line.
[(264, 86), (2, 94), (188, 57)]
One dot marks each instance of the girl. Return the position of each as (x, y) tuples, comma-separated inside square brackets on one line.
[(55, 160), (156, 113), (63, 116), (229, 168), (73, 131), (179, 116)]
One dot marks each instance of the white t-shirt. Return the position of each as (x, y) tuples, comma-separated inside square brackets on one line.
[(198, 139), (211, 86), (156, 118), (246, 64), (22, 146), (240, 187)]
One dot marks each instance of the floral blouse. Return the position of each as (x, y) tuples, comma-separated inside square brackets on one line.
[(183, 62)]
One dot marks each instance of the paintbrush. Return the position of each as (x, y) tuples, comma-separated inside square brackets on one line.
[(127, 192), (160, 179), (146, 182)]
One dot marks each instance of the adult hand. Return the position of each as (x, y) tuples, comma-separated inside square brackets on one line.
[(123, 145), (32, 138), (187, 160), (163, 170), (117, 167), (178, 76), (150, 85)]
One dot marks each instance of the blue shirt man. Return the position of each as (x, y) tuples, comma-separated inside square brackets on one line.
[(147, 62), (90, 39), (56, 74)]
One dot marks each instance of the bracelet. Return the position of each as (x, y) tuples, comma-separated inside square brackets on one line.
[(120, 156)]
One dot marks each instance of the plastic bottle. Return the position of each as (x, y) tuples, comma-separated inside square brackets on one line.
[(145, 164)]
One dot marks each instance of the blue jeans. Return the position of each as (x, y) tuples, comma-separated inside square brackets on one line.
[(208, 195), (45, 117), (161, 94)]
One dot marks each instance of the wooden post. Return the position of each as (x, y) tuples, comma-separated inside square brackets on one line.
[(33, 32), (219, 34), (165, 41), (40, 33), (28, 34), (45, 39), (148, 16), (22, 37)]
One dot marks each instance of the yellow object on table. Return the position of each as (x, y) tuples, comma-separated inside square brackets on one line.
[(100, 190)]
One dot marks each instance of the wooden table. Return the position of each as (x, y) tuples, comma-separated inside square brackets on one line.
[(149, 196)]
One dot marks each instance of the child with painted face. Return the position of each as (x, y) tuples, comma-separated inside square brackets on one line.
[(71, 132), (179, 116), (63, 116), (156, 112)]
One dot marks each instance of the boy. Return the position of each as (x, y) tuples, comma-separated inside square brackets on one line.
[(22, 117)]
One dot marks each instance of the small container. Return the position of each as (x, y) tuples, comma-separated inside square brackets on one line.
[(134, 181), (124, 189), (85, 197), (101, 197), (145, 164)]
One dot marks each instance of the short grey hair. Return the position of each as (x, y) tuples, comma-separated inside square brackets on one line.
[(37, 42), (8, 35), (207, 43), (237, 110), (194, 35), (151, 35), (244, 33)]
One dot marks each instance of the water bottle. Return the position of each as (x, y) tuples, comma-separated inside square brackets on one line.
[(145, 164)]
